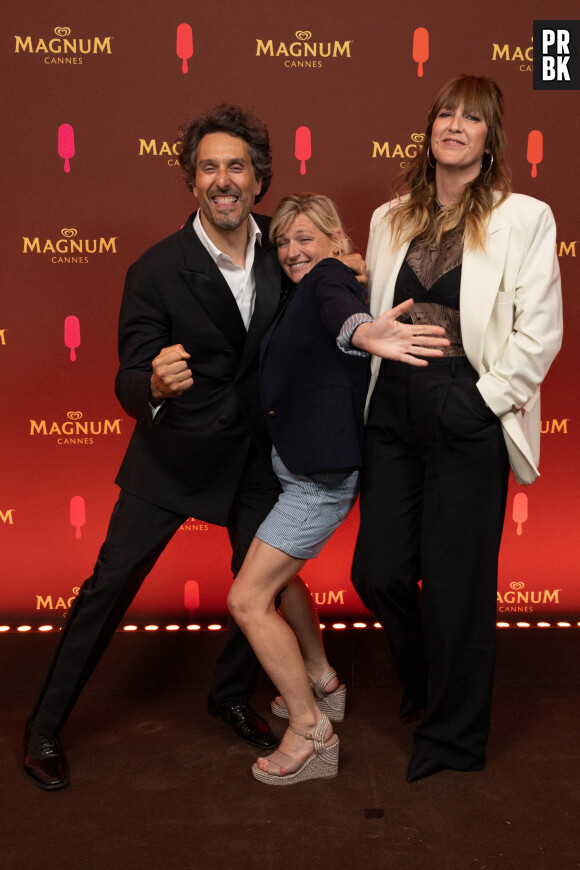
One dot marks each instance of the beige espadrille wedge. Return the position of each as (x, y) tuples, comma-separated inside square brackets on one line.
[(322, 764), (331, 703)]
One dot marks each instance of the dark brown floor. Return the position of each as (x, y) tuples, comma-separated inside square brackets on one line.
[(155, 783)]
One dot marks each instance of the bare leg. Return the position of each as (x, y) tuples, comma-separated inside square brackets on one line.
[(300, 613), (251, 600)]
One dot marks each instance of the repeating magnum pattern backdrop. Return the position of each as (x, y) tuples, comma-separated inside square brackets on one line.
[(94, 94)]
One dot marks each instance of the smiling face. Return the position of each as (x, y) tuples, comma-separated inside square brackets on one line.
[(458, 141), (301, 245), (225, 182)]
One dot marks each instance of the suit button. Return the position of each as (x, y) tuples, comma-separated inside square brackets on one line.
[(223, 420), (271, 413)]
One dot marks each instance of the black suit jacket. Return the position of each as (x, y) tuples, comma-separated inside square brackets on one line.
[(314, 394), (189, 459)]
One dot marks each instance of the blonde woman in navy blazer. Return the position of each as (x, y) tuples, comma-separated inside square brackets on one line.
[(313, 398), (439, 442)]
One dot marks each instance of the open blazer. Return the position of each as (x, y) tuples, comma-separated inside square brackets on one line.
[(510, 314)]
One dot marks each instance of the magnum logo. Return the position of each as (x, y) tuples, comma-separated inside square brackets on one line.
[(303, 52), (555, 427), (57, 603), (7, 517), (566, 249), (518, 599), (329, 597), (156, 148), (514, 54), (61, 49), (75, 430), (193, 525), (402, 152), (3, 336), (68, 248)]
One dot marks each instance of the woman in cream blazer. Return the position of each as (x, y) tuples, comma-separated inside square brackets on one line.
[(440, 439)]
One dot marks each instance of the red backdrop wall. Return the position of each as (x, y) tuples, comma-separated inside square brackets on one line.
[(347, 71)]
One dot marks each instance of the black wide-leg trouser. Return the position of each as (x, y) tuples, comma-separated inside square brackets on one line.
[(433, 496), (138, 533)]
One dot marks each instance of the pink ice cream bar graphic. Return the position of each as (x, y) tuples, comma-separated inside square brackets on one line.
[(535, 150), (303, 147), (72, 335), (78, 515), (191, 596), (184, 45), (66, 144), (520, 510), (420, 48)]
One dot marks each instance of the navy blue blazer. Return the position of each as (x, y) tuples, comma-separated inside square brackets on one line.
[(313, 394)]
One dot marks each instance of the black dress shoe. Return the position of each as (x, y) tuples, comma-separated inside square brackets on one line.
[(246, 723), (419, 768), (44, 760)]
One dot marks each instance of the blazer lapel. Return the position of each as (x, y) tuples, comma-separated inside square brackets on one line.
[(210, 288), (267, 275), (481, 276)]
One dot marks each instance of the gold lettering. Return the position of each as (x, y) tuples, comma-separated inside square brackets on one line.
[(7, 516), (264, 48)]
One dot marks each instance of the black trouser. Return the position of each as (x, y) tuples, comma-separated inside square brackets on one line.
[(138, 533), (433, 496)]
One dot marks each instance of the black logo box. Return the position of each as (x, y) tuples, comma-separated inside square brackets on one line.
[(561, 72)]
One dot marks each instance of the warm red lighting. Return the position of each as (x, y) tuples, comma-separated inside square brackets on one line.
[(502, 624), (359, 625), (4, 628), (377, 625), (214, 627), (45, 627), (340, 626), (564, 625), (151, 628), (523, 624), (544, 625), (322, 626), (193, 627), (24, 628), (171, 628), (129, 628)]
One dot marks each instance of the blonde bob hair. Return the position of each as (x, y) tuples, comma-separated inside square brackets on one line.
[(417, 214), (320, 209)]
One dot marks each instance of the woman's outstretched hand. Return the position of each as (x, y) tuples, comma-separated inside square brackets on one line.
[(388, 338)]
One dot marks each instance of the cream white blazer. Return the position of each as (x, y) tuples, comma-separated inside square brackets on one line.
[(510, 314)]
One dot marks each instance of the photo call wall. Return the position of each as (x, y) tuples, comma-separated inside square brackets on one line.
[(94, 95)]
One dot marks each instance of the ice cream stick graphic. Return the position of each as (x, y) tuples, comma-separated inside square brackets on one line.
[(520, 510), (184, 44), (420, 48), (72, 334), (303, 147), (191, 596), (535, 150), (66, 144), (77, 514)]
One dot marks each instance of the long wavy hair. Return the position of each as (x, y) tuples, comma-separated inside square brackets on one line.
[(417, 214)]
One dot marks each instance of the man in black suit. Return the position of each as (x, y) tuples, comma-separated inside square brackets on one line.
[(194, 310)]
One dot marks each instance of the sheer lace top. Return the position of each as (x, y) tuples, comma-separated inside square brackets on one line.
[(431, 276)]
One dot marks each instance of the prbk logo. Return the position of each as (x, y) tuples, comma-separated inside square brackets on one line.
[(304, 51), (69, 248), (394, 151), (518, 599), (62, 48), (75, 430), (160, 148), (557, 66), (520, 54)]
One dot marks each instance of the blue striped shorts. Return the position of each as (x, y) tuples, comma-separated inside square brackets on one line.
[(309, 509)]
